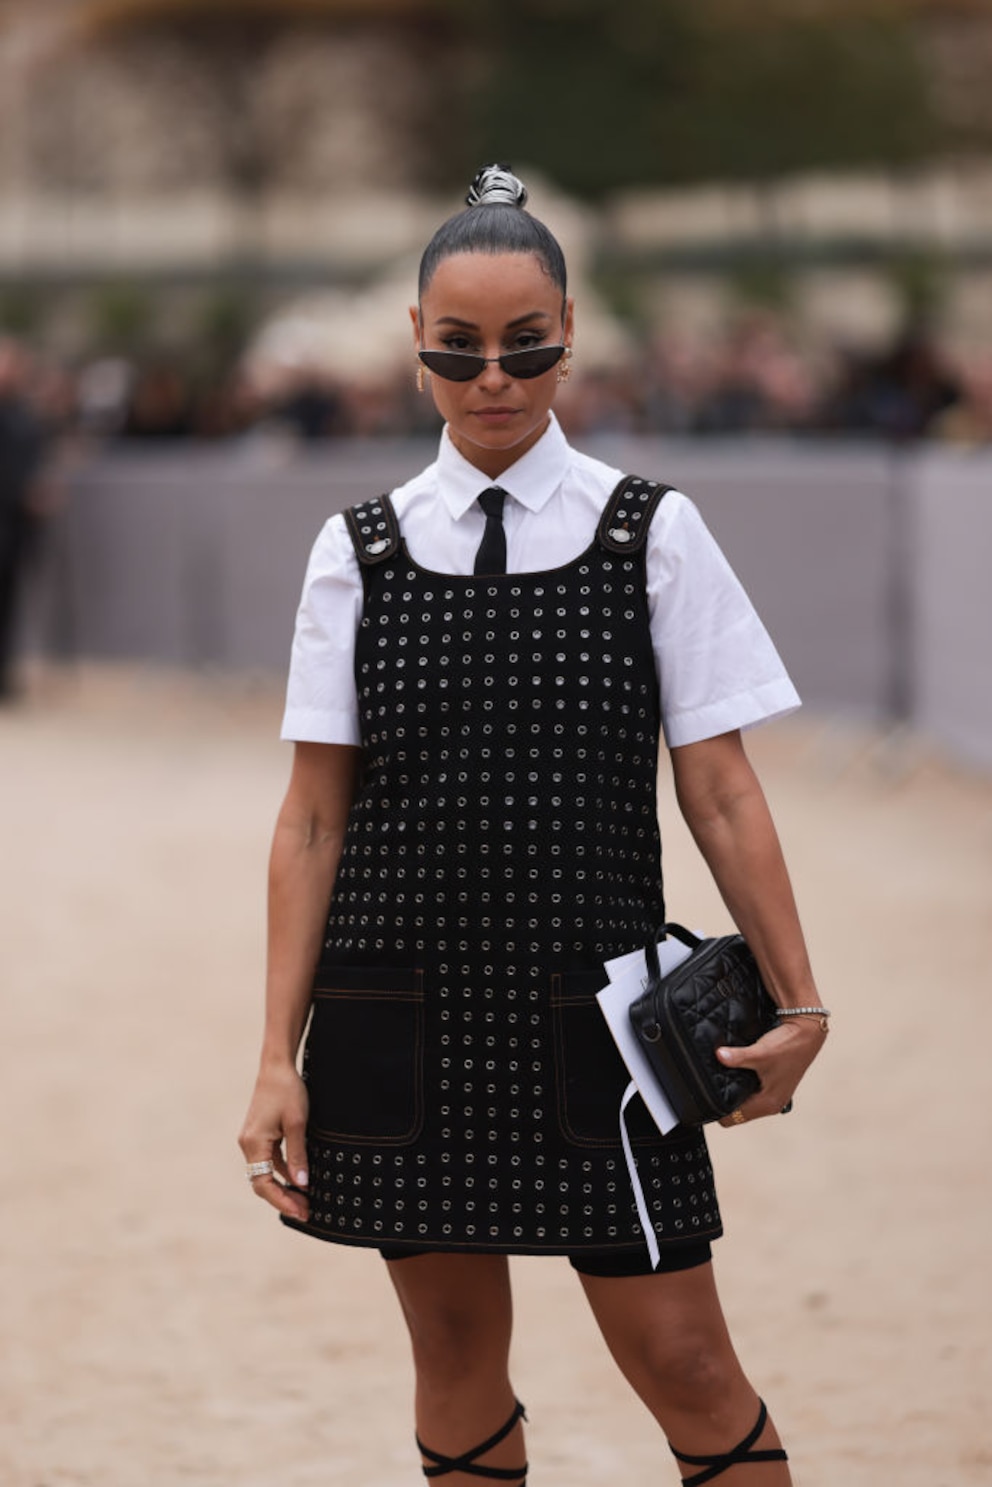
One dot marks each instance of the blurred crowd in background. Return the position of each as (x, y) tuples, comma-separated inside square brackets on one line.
[(751, 380)]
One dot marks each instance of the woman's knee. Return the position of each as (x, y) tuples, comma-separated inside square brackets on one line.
[(669, 1336), (694, 1371)]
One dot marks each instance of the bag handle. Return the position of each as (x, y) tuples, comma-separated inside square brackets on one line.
[(678, 932)]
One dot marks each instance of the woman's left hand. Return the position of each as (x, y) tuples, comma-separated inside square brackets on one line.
[(780, 1059)]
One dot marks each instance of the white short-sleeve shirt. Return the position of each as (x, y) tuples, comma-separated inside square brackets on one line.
[(717, 667)]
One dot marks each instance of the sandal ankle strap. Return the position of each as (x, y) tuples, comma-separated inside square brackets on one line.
[(466, 1463), (715, 1466)]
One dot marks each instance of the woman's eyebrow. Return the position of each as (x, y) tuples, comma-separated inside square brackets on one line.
[(510, 324)]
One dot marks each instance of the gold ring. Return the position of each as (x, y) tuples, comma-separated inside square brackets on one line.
[(738, 1118)]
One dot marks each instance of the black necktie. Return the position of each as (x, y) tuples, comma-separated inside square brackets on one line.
[(491, 557)]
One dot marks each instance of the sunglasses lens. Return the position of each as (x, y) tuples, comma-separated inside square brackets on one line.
[(453, 366), (533, 362), (461, 366)]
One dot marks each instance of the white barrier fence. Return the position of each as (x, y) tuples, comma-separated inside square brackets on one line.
[(869, 565)]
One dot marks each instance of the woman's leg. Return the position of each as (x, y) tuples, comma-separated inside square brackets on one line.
[(460, 1316), (668, 1336)]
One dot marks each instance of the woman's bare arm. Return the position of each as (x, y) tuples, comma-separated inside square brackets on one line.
[(725, 809), (306, 850)]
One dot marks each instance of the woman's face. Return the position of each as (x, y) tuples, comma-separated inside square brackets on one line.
[(488, 304)]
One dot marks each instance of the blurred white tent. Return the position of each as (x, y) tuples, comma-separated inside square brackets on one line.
[(356, 335)]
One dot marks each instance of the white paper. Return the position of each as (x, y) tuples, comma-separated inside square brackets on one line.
[(640, 1202), (628, 975), (628, 978)]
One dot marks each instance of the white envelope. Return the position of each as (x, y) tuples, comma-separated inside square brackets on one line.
[(628, 978)]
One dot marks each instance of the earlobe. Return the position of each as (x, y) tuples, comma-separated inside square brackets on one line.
[(415, 322)]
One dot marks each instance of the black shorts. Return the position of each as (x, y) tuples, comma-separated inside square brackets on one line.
[(684, 1256)]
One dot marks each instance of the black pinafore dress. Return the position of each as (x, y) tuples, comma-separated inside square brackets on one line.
[(503, 843)]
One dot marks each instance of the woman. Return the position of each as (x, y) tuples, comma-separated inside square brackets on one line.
[(482, 669)]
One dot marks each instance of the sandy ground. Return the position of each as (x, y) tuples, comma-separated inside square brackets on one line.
[(159, 1329)]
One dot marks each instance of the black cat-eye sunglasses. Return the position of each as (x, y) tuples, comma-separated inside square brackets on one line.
[(463, 366)]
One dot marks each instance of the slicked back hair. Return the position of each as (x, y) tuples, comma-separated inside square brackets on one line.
[(493, 228)]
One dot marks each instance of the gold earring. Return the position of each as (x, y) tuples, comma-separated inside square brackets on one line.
[(564, 366), (420, 376)]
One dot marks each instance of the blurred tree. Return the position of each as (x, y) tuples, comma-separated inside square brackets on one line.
[(761, 282), (920, 281), (224, 323), (121, 317), (668, 91), (22, 309)]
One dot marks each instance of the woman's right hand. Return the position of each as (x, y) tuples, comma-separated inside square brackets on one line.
[(306, 848), (277, 1115)]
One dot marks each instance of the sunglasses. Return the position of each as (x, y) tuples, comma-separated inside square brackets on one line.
[(463, 366)]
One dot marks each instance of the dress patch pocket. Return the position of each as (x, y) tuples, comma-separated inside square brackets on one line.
[(590, 1075), (364, 1057)]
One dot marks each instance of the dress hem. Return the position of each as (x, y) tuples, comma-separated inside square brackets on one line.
[(501, 1247)]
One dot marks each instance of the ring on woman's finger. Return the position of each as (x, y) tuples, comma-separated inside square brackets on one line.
[(738, 1118), (259, 1169)]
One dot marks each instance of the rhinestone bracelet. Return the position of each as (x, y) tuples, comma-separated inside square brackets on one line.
[(820, 1012)]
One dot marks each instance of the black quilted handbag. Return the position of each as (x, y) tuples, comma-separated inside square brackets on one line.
[(714, 999)]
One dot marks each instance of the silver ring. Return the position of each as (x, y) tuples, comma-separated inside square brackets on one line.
[(259, 1169)]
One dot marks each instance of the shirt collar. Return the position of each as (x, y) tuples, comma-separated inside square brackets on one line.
[(532, 480)]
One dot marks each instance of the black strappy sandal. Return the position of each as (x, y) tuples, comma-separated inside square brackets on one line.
[(713, 1466), (467, 1462)]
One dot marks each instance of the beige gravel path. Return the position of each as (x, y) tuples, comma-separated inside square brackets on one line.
[(160, 1331)]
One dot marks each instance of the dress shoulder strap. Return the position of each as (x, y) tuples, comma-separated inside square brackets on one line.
[(374, 530), (624, 525)]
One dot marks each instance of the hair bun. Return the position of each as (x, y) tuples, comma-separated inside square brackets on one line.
[(496, 185)]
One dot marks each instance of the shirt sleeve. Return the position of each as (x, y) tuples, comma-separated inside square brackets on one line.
[(321, 700), (717, 667)]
